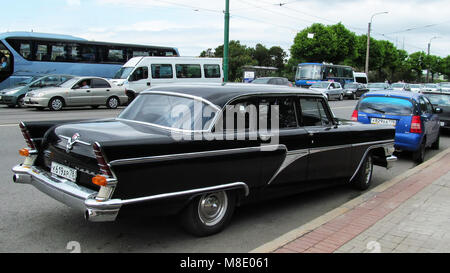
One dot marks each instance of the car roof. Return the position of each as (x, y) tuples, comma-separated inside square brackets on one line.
[(390, 93), (220, 94)]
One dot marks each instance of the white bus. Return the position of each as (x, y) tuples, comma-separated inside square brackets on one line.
[(141, 73), (360, 77)]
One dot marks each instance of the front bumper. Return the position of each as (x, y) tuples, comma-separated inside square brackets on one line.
[(36, 102), (69, 193), (10, 100)]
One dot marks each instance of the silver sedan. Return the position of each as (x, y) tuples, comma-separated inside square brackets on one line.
[(79, 91)]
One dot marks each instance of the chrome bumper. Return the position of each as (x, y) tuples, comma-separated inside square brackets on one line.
[(69, 193), (390, 161)]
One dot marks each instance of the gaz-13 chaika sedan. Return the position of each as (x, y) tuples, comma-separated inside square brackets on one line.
[(173, 150)]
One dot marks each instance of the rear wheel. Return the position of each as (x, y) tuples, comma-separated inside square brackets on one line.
[(341, 97), (363, 178), (56, 104), (354, 96), (21, 102), (419, 155), (209, 213), (112, 103)]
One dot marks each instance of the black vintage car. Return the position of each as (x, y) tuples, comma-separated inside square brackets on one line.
[(200, 151)]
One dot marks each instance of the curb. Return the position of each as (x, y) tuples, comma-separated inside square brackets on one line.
[(319, 221)]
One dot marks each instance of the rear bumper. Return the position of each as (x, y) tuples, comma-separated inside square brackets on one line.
[(408, 141), (69, 193)]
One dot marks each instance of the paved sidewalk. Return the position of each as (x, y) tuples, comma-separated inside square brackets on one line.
[(410, 213)]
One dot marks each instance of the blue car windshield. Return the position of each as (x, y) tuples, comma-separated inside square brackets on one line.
[(386, 105)]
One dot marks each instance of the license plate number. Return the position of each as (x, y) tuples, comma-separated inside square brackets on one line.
[(64, 171), (382, 121)]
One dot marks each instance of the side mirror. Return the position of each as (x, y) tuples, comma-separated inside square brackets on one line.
[(438, 110)]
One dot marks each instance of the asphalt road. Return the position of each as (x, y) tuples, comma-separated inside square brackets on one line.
[(32, 222)]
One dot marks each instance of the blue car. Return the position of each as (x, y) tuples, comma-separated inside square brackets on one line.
[(415, 119)]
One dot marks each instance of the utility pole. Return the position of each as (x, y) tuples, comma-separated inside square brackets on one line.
[(368, 42), (429, 65), (226, 41)]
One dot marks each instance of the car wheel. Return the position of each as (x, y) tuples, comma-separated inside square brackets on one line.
[(419, 155), (354, 96), (112, 103), (341, 97), (21, 102), (56, 104), (363, 178), (209, 213), (435, 145)]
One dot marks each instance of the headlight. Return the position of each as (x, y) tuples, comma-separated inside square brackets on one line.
[(40, 94)]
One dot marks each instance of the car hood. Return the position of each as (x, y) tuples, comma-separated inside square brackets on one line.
[(14, 89), (44, 90)]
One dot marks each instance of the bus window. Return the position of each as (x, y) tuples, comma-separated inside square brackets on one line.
[(162, 71), (116, 55), (58, 53), (138, 53), (42, 53), (188, 71), (5, 59), (211, 70)]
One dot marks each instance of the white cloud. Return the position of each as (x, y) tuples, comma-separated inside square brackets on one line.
[(73, 2)]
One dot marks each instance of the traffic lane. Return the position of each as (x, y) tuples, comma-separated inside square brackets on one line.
[(15, 115), (33, 222)]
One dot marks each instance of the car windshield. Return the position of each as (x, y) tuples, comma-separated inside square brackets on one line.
[(351, 86), (398, 85), (439, 99), (123, 73), (431, 85), (320, 85), (375, 85), (386, 105), (171, 111), (415, 86), (309, 72), (261, 80)]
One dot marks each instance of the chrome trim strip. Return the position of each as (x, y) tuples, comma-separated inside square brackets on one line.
[(374, 142), (328, 148), (158, 158), (365, 154)]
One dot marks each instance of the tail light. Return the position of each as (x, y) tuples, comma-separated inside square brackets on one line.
[(416, 125), (355, 115), (104, 168), (27, 137)]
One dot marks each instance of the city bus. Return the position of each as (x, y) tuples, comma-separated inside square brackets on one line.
[(309, 73), (28, 54)]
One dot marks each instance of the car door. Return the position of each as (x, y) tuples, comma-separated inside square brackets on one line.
[(100, 91), (434, 120), (78, 96), (139, 80), (329, 143)]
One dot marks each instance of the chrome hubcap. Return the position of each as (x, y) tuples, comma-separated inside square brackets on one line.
[(113, 103), (212, 207), (56, 104)]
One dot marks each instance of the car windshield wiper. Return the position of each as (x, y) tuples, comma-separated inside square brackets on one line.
[(376, 109)]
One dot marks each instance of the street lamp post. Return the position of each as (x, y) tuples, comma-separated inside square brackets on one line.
[(429, 65), (368, 41), (226, 41)]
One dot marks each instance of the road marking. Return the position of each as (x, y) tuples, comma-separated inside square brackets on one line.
[(9, 125)]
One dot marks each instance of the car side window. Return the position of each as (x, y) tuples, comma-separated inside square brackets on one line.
[(313, 112), (100, 83), (429, 105), (423, 105), (286, 112)]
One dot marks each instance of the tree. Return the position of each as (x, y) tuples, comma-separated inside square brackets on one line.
[(417, 62), (278, 57), (239, 56)]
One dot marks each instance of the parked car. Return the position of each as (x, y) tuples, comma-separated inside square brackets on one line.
[(431, 87), (331, 90), (378, 86), (412, 115), (272, 80), (78, 91), (14, 96), (149, 157), (400, 86), (416, 88), (444, 86), (354, 90), (441, 100)]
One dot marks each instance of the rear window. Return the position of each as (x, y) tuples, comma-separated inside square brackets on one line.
[(386, 105), (439, 99)]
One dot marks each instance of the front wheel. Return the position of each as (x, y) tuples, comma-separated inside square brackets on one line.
[(209, 213), (56, 104), (21, 102), (341, 97), (363, 178)]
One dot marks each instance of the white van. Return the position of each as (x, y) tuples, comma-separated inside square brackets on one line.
[(141, 73), (360, 77)]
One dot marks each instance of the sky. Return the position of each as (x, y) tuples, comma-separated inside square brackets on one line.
[(196, 25)]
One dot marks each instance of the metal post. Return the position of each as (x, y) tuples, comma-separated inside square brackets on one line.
[(428, 68), (367, 51), (226, 40)]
